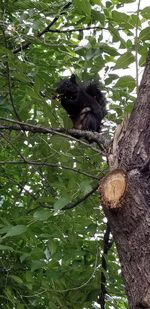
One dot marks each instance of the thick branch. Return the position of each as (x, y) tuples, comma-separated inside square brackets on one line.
[(71, 133)]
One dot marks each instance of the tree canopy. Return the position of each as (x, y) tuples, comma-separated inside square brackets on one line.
[(56, 248)]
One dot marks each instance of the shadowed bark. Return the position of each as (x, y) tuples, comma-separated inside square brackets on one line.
[(130, 223)]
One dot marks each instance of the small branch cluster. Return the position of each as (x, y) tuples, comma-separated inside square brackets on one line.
[(25, 45), (25, 127)]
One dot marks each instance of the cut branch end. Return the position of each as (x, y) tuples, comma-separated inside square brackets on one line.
[(112, 188)]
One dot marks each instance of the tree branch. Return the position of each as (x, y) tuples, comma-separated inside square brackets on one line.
[(71, 133), (9, 79), (106, 247), (76, 30), (52, 165)]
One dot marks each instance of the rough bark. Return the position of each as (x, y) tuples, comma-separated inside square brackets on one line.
[(130, 224)]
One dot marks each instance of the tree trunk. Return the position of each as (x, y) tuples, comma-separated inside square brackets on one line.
[(130, 222)]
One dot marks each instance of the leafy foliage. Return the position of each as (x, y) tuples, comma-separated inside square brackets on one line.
[(50, 257)]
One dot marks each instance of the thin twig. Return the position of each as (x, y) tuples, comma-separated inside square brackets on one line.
[(77, 29), (106, 247), (52, 165), (9, 79)]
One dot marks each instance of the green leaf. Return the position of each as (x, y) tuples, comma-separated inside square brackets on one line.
[(115, 34), (20, 306), (16, 230), (42, 214), (126, 81), (83, 6), (52, 246), (5, 229), (111, 78), (10, 295), (16, 279), (3, 247), (124, 60), (146, 12), (142, 60), (119, 17), (36, 265), (24, 256), (61, 203), (85, 186), (145, 34), (108, 49), (52, 305), (96, 2)]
